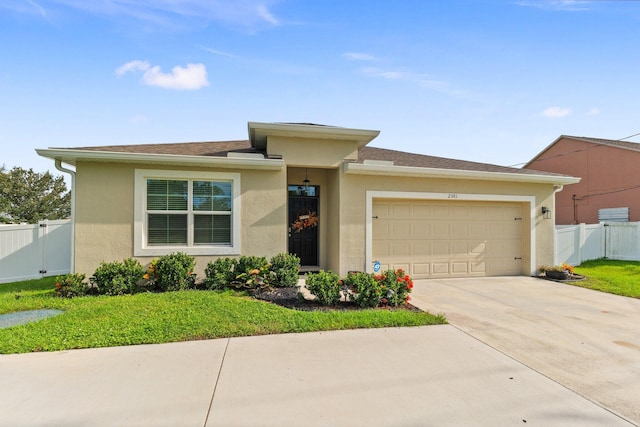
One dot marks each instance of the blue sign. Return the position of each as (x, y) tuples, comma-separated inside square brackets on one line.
[(376, 266)]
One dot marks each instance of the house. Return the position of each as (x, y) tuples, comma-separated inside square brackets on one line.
[(317, 191), (610, 180)]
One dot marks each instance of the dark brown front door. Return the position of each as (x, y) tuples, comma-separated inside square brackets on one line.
[(303, 228)]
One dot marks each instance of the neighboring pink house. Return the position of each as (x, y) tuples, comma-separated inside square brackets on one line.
[(609, 172)]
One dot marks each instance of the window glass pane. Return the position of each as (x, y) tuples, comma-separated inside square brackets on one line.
[(164, 229), (166, 195), (211, 196), (300, 190), (210, 229)]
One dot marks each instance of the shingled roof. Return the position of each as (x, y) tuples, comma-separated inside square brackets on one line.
[(399, 158)]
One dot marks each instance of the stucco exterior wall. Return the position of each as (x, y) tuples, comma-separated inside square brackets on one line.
[(604, 170), (312, 152), (353, 212), (105, 214)]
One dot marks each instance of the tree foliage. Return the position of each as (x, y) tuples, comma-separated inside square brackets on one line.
[(28, 196)]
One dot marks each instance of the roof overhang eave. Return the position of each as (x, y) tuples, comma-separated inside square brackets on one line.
[(71, 157), (418, 172)]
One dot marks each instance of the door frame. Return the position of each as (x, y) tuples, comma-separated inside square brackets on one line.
[(316, 197)]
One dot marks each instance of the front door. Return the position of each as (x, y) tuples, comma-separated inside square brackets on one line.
[(303, 224)]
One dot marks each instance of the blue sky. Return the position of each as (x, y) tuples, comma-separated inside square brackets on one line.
[(493, 81)]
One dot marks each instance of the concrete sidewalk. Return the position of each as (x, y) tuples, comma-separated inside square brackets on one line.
[(435, 375)]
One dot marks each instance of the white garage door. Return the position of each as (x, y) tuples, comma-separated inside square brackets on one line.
[(430, 238)]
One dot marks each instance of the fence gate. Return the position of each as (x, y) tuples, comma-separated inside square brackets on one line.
[(32, 251)]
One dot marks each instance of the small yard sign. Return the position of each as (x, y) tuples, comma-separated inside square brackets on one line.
[(376, 266)]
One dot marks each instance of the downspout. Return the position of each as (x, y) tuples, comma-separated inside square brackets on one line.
[(73, 212)]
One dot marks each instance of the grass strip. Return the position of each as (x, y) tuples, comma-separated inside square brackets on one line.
[(611, 276), (153, 318)]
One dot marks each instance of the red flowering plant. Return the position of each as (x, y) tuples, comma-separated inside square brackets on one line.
[(395, 286)]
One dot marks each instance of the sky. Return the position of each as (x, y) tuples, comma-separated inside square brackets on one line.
[(492, 81)]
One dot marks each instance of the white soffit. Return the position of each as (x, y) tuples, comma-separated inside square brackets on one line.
[(71, 157), (418, 172)]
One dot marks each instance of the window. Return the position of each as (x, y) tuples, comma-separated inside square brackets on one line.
[(197, 213)]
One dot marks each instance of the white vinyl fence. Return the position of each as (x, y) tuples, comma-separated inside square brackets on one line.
[(616, 240), (32, 251)]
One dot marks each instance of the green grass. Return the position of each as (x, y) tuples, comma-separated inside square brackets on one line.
[(614, 277), (149, 318)]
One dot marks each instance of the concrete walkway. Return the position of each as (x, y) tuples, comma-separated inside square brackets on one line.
[(588, 341), (435, 375)]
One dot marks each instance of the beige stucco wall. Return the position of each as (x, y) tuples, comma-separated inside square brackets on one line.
[(353, 212), (308, 152), (105, 213)]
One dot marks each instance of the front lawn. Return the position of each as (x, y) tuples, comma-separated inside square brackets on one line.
[(152, 318), (614, 277)]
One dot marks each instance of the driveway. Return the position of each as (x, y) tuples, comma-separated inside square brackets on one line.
[(586, 340)]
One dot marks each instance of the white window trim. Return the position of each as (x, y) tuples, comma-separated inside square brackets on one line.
[(140, 247), (451, 197)]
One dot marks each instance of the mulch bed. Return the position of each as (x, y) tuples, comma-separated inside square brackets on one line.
[(289, 298)]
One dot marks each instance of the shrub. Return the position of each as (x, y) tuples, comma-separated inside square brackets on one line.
[(71, 285), (395, 286), (286, 268), (325, 286), (252, 272), (172, 272), (220, 273), (365, 289), (117, 278), (249, 263)]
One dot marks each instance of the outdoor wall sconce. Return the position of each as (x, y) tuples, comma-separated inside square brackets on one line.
[(305, 183), (546, 212)]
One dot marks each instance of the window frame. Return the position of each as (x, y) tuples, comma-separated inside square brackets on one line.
[(141, 246)]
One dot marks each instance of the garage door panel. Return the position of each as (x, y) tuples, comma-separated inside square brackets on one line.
[(401, 211), (478, 267), (440, 229), (401, 250), (449, 239), (459, 230), (421, 230), (459, 268), (420, 269), (401, 229)]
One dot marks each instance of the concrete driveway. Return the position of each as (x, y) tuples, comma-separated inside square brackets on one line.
[(586, 340)]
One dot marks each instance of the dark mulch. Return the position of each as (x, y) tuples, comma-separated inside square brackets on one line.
[(290, 298)]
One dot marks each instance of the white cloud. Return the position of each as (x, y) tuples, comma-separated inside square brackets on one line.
[(174, 14), (267, 16), (191, 77), (565, 5), (132, 66), (39, 8), (219, 52), (422, 80), (359, 56), (593, 112), (556, 112)]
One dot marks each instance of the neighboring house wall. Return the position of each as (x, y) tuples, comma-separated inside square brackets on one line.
[(105, 212), (608, 176)]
